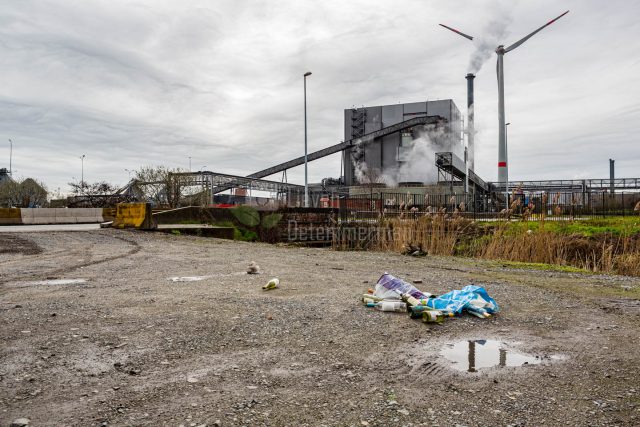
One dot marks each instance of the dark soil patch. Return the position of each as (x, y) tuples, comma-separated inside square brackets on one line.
[(12, 244)]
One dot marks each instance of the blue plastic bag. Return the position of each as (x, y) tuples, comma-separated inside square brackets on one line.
[(474, 299)]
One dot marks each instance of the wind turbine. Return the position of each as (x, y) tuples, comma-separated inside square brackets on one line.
[(503, 170)]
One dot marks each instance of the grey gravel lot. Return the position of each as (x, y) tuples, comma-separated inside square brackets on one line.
[(129, 347)]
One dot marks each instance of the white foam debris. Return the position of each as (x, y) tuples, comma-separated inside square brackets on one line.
[(58, 282), (188, 278)]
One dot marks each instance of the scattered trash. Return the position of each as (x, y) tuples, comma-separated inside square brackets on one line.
[(389, 287), (398, 306), (253, 268), (20, 422), (188, 278), (432, 316), (394, 294), (273, 283), (473, 299)]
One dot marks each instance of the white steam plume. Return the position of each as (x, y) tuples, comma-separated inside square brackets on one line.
[(421, 160), (492, 35)]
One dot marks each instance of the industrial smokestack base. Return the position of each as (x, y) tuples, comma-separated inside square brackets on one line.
[(470, 124)]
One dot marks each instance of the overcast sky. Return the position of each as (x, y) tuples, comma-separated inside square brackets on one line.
[(132, 83)]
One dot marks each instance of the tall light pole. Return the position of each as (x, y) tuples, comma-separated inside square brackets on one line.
[(10, 157), (82, 171), (306, 182)]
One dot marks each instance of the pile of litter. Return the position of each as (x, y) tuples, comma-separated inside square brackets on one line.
[(393, 294)]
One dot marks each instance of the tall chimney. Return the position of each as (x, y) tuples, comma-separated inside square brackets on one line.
[(470, 125), (612, 175)]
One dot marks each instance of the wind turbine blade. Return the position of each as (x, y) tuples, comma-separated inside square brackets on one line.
[(466, 36), (524, 39)]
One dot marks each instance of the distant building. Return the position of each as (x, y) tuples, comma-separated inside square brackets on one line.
[(4, 175), (392, 154)]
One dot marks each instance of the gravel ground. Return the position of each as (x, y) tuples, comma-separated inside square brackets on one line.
[(130, 347)]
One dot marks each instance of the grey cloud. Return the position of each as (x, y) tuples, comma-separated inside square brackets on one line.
[(154, 82)]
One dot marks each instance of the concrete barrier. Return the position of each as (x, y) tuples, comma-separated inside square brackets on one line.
[(61, 215), (9, 216), (29, 216), (134, 215)]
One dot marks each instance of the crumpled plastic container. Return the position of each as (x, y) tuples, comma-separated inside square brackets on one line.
[(390, 287)]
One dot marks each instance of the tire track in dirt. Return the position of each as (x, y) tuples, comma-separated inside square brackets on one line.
[(135, 248)]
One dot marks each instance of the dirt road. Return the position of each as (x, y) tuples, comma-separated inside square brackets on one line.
[(127, 346)]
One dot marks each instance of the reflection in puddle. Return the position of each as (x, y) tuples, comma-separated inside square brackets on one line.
[(476, 354)]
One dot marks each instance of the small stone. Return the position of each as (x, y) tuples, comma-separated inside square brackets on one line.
[(17, 306), (192, 380), (403, 411), (364, 423), (253, 268), (20, 422)]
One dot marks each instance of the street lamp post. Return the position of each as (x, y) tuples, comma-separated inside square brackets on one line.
[(306, 182), (10, 157), (82, 171)]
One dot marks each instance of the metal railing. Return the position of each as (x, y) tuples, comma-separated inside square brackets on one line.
[(531, 206)]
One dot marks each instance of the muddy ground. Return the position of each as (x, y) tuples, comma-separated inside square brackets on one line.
[(129, 347)]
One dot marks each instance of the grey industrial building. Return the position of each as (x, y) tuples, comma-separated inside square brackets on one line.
[(390, 151)]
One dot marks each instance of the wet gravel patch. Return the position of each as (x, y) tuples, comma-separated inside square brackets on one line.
[(130, 347)]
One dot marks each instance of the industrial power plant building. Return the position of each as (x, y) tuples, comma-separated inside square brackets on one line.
[(405, 153)]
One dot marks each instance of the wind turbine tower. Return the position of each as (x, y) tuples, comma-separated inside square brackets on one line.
[(503, 168)]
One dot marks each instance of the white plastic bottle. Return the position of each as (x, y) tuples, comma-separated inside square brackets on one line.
[(398, 306)]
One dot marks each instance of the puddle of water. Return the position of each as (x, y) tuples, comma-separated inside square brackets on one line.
[(198, 278), (477, 354), (58, 282), (188, 278)]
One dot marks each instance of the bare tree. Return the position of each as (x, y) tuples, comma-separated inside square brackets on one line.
[(159, 186), (97, 195), (27, 193)]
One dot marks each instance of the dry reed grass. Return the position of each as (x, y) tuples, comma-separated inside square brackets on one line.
[(444, 234), (433, 234)]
